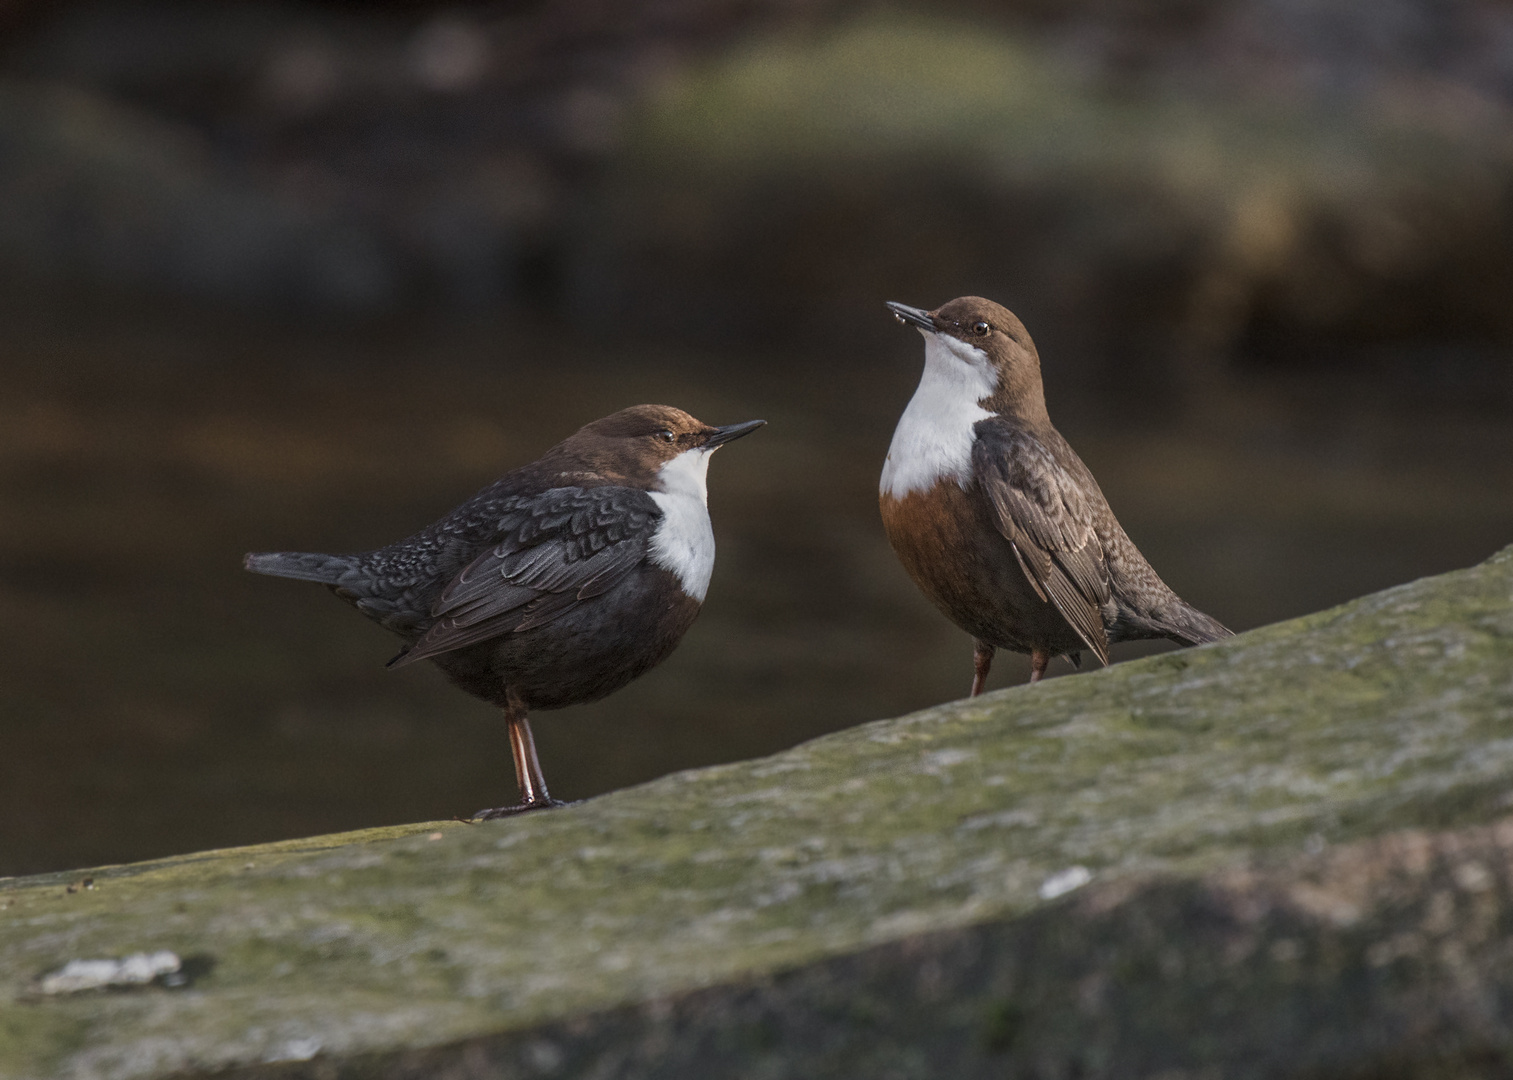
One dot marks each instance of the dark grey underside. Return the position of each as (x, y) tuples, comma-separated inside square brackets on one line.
[(586, 652)]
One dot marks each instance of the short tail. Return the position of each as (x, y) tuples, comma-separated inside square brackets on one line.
[(300, 565), (1186, 625)]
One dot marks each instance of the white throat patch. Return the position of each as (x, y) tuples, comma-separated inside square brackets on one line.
[(934, 435), (684, 540)]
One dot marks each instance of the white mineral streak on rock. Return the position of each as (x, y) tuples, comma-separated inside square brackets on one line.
[(138, 969), (1064, 881)]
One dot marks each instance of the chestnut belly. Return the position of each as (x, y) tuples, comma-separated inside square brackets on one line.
[(950, 544), (587, 652)]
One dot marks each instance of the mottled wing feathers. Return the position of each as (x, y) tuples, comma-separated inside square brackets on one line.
[(1048, 519), (556, 550)]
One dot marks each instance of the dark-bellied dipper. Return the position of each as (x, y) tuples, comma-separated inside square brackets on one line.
[(997, 519), (556, 584)]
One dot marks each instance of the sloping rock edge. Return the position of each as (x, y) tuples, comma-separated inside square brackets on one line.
[(1386, 958)]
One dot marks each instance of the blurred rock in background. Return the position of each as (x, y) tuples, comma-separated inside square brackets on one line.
[(325, 157), (1153, 185)]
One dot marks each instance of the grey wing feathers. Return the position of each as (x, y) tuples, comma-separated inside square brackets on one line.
[(1048, 519), (560, 548)]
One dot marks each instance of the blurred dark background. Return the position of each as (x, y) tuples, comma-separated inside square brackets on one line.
[(304, 275)]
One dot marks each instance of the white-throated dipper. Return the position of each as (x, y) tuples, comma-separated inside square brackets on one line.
[(556, 584), (997, 519)]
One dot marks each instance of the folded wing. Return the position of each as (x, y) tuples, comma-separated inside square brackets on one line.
[(1048, 519), (558, 550)]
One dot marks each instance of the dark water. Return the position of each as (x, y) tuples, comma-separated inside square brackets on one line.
[(154, 698)]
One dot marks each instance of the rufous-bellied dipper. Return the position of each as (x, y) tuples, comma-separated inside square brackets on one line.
[(996, 517), (555, 585)]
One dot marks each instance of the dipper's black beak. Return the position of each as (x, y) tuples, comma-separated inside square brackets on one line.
[(731, 432), (912, 316)]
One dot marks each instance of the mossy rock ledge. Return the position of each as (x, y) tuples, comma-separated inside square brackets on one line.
[(1287, 854)]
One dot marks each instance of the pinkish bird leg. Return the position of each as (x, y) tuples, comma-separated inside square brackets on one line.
[(533, 793), (982, 660)]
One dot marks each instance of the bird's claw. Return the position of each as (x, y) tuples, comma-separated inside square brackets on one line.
[(519, 808)]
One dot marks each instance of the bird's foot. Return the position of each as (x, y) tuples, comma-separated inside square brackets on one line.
[(547, 803)]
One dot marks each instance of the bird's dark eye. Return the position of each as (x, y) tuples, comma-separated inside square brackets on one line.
[(667, 436), (981, 329)]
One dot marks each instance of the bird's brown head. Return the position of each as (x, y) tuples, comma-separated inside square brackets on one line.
[(989, 338), (639, 444)]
